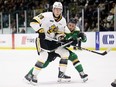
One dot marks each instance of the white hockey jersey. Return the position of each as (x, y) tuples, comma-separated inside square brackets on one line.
[(47, 22)]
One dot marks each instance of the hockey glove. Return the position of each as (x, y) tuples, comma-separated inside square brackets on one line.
[(60, 37), (82, 36)]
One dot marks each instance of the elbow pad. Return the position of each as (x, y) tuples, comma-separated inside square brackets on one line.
[(35, 26)]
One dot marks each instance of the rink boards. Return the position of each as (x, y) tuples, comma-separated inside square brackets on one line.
[(95, 41)]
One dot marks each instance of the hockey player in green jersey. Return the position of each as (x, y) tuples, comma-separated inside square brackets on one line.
[(75, 35), (77, 38)]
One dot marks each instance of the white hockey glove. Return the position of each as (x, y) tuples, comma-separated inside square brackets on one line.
[(60, 37)]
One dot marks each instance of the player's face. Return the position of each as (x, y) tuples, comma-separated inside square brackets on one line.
[(71, 26), (57, 11)]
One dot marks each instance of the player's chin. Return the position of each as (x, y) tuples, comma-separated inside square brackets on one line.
[(57, 15)]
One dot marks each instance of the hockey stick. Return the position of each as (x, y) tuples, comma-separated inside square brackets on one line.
[(103, 53), (58, 47), (79, 44)]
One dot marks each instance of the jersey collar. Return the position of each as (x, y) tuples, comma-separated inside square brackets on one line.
[(57, 19)]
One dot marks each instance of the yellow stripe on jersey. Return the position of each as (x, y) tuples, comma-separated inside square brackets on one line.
[(37, 19), (34, 23), (41, 61), (41, 30), (37, 68), (75, 61), (63, 64)]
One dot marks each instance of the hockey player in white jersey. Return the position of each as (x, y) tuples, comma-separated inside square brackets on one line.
[(51, 28), (76, 34)]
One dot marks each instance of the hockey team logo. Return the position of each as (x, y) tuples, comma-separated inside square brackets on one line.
[(2, 41), (108, 39), (24, 39)]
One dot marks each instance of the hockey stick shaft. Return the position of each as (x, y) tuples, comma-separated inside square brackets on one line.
[(58, 47), (103, 53), (79, 44), (92, 51)]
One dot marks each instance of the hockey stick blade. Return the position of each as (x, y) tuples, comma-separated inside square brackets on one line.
[(106, 52)]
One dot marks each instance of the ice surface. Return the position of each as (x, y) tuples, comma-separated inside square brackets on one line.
[(14, 64)]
